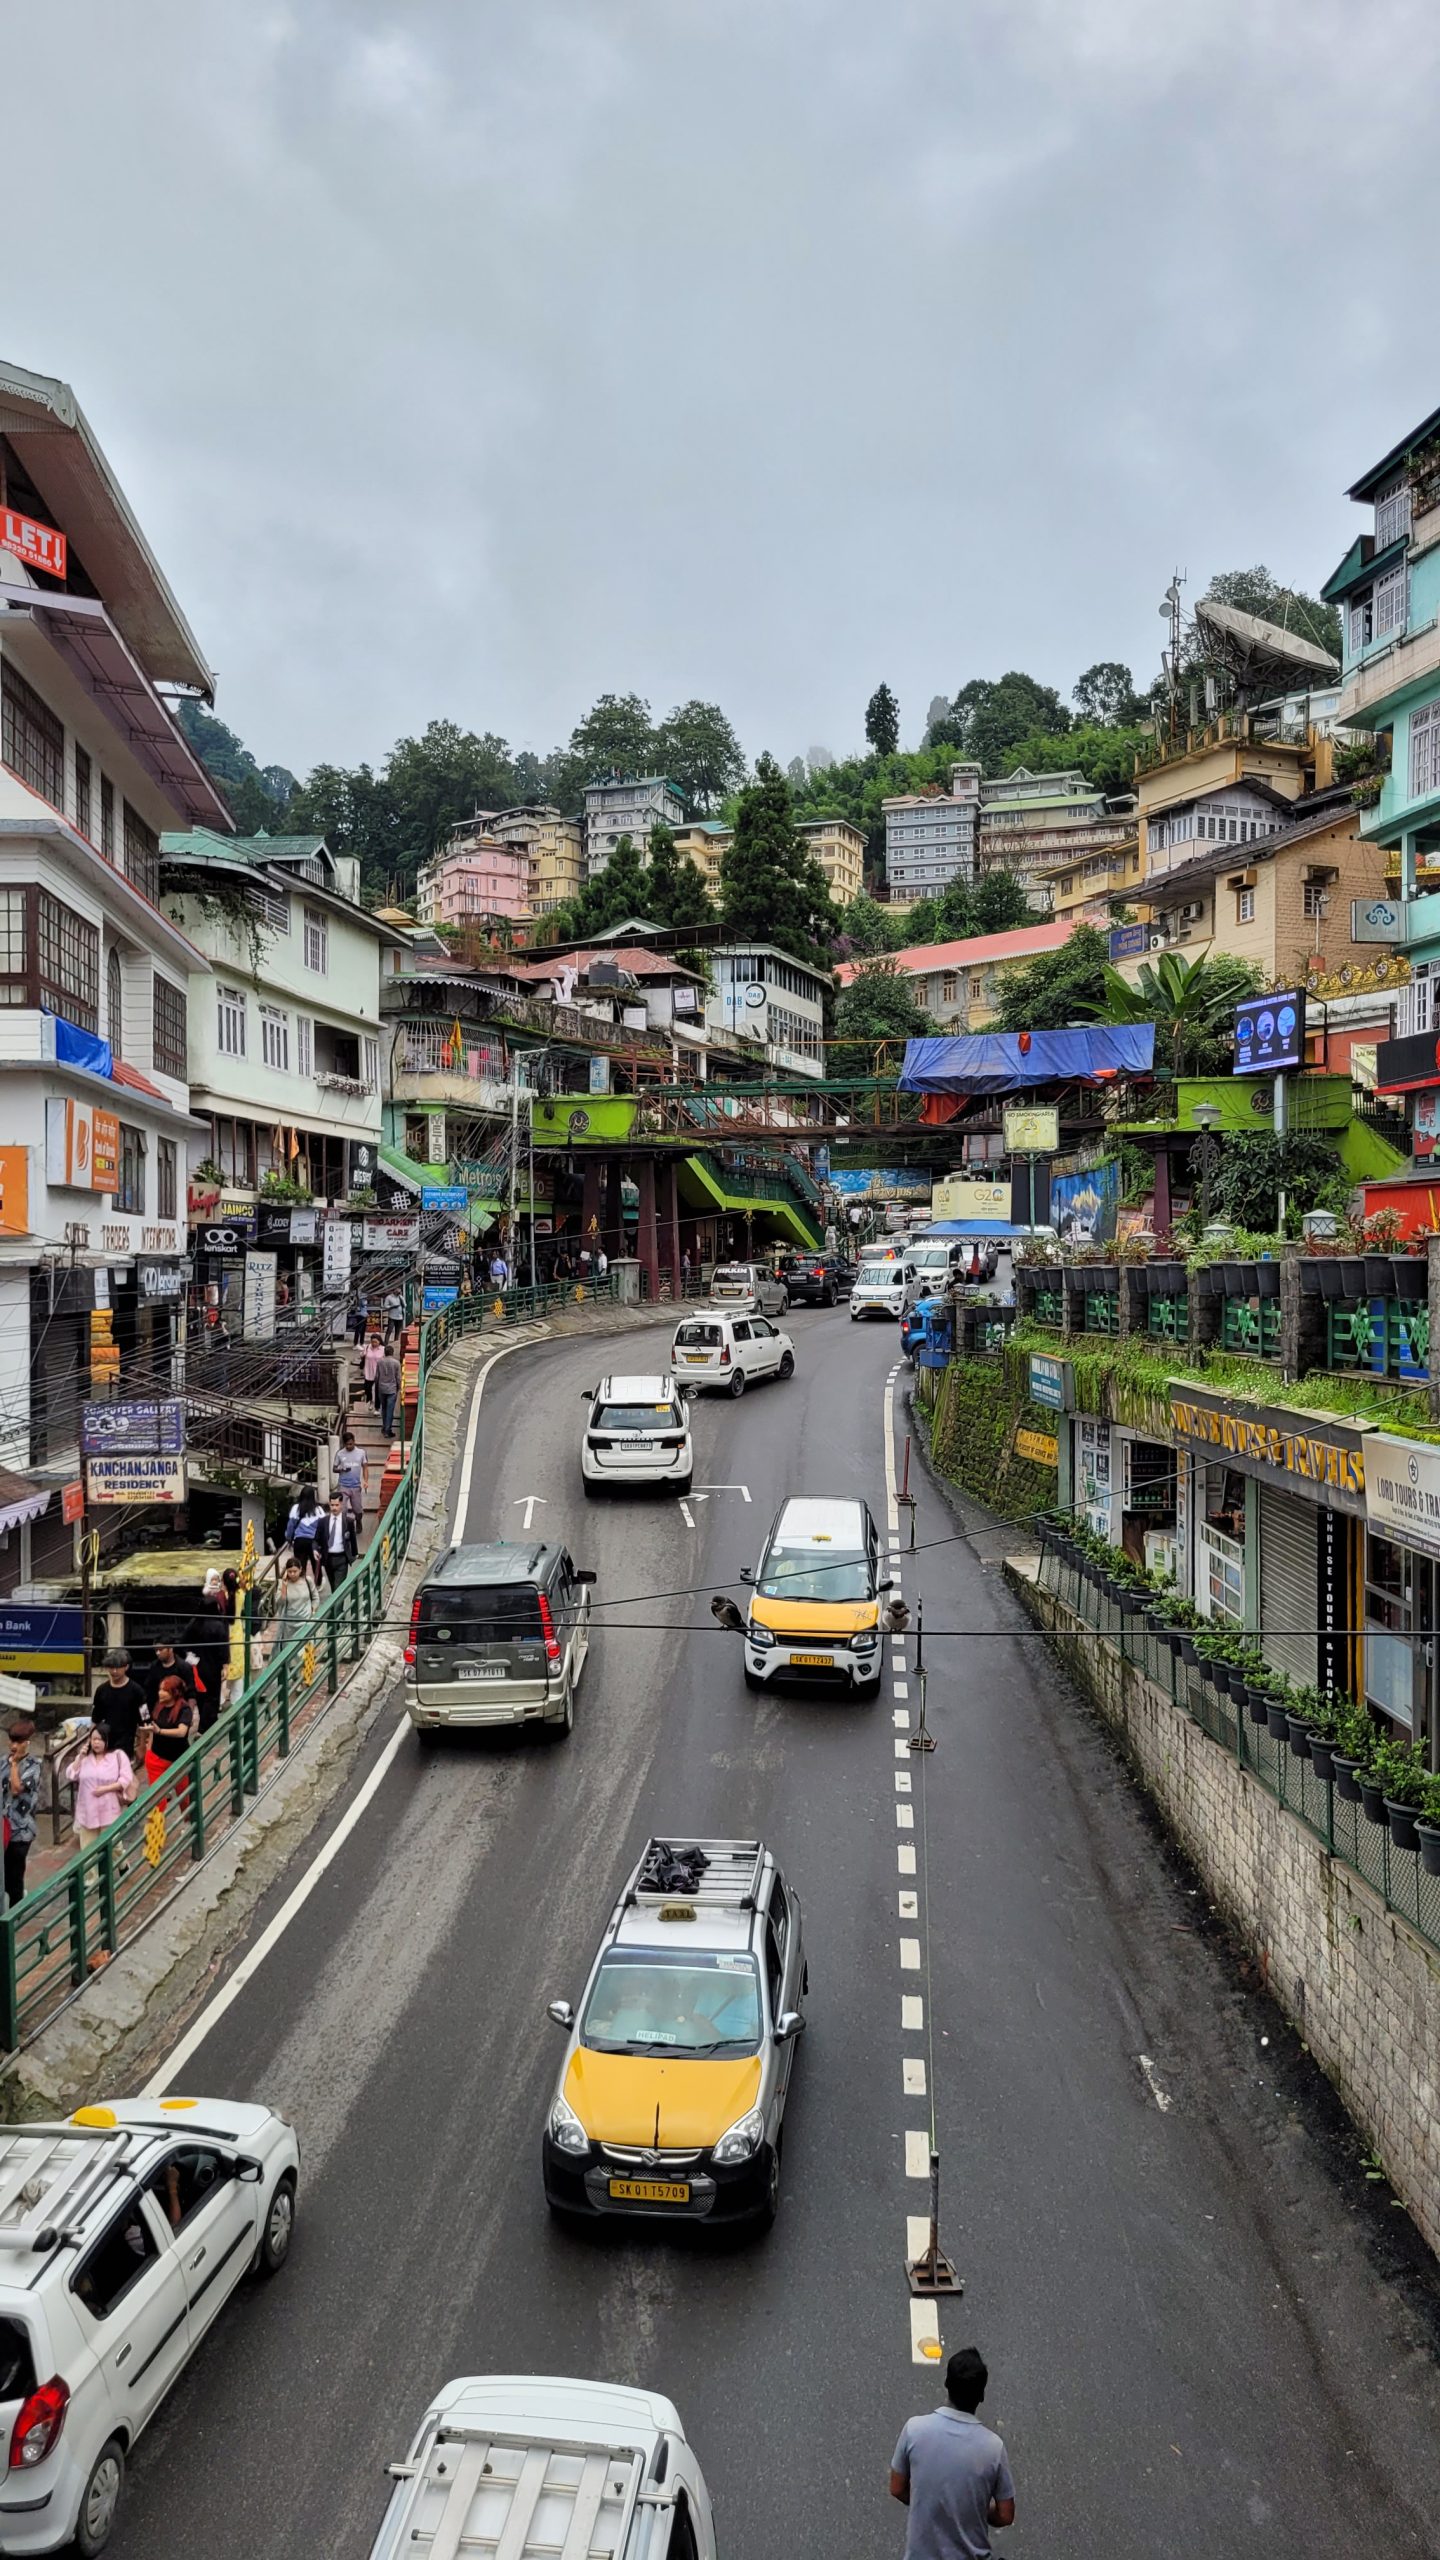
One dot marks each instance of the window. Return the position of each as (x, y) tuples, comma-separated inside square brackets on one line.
[(275, 1037), (230, 1022), (82, 791), (949, 988), (976, 988), (107, 818), (170, 1031), (273, 905), (1244, 906), (122, 2253), (186, 2181), (1362, 621), (304, 1045), (317, 940), (1425, 751), (370, 1064), (1313, 898), (67, 963), (1392, 596), (32, 740), (130, 1191), (1392, 516), (142, 854), (167, 1179), (114, 1002)]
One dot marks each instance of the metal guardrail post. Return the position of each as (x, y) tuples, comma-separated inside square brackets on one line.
[(106, 1878), (332, 1636), (197, 1806), (79, 1941), (282, 1696)]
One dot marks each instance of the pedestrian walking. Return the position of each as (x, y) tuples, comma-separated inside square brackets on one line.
[(208, 1638), (394, 1312), (685, 1270), (173, 1728), (359, 1318), (104, 1784), (374, 1354), (167, 1665), (351, 1472), (952, 2472), (602, 1263), (19, 1804), (387, 1388), (294, 1608), (302, 1528), (120, 1703), (340, 1545)]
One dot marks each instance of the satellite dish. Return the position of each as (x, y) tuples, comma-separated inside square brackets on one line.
[(1259, 655)]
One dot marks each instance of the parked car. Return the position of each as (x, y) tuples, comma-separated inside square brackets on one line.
[(499, 1634), (638, 1433), (751, 1287), (123, 2233), (716, 1349), (817, 1279)]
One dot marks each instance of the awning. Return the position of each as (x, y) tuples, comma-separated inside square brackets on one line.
[(20, 1500), (80, 630), (1017, 1061)]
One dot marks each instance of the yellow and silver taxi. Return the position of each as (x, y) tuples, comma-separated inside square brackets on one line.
[(671, 2097), (815, 1596)]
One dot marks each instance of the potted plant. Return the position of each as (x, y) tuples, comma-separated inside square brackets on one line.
[(1324, 1720), (1372, 1792), (1345, 1768), (1400, 1768), (1277, 1715), (1427, 1827)]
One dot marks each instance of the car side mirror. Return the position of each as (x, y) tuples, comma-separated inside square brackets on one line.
[(249, 2173), (747, 1573), (561, 2012), (584, 1573), (587, 1395), (887, 1584), (788, 2025)]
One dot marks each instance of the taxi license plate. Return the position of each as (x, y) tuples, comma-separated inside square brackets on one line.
[(696, 1359), (815, 1661), (650, 2190)]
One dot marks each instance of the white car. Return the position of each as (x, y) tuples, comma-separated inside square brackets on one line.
[(879, 1289), (123, 2232), (638, 1432), (749, 1288), (716, 1349)]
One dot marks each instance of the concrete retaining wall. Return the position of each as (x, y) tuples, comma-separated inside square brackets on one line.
[(1361, 1987)]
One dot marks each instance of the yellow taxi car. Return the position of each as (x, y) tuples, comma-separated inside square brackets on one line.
[(671, 2098), (815, 1610)]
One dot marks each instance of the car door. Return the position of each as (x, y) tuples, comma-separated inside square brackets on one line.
[(574, 1599), (767, 1347), (133, 2308), (214, 2218), (782, 1982), (742, 1336)]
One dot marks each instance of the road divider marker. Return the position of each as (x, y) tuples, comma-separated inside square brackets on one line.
[(917, 2156), (902, 1782), (909, 1906), (905, 1853), (925, 2346), (912, 2014), (904, 1817), (913, 2077), (909, 1955)]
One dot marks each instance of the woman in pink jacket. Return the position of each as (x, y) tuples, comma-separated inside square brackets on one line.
[(104, 1785)]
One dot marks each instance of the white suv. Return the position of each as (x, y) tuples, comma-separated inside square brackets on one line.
[(638, 1432), (715, 1349), (122, 2234)]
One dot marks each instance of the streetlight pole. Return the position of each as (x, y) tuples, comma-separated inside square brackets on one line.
[(1205, 1154)]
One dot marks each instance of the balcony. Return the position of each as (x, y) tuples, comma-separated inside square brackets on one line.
[(431, 1065), (1387, 671)]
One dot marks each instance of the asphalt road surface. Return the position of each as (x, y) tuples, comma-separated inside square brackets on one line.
[(1208, 2335)]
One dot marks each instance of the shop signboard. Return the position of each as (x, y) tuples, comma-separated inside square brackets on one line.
[(1270, 1034), (1377, 920), (1402, 1491), (40, 546), (258, 1320), (14, 1191), (339, 1238), (432, 1300), (37, 1641), (1031, 1129), (149, 1428), (1050, 1382), (445, 1195), (1040, 1447), (304, 1226), (391, 1235), (223, 1238), (82, 1145), (361, 1159), (1128, 941), (163, 1280), (72, 1501), (1320, 1456), (120, 1479)]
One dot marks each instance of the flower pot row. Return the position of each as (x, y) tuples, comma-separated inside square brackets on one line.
[(1345, 1277)]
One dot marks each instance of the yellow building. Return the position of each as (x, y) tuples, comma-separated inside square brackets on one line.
[(1282, 898), (839, 848), (1083, 887), (554, 845), (704, 843)]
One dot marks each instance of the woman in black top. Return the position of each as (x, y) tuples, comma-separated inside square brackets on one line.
[(208, 1638)]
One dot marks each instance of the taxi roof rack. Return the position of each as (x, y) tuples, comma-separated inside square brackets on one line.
[(82, 2162), (731, 1877)]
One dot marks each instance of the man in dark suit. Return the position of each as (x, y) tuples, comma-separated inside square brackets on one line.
[(337, 1542)]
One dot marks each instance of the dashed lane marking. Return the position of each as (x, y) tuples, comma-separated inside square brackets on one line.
[(900, 1748), (905, 1856), (909, 1955), (917, 2235), (904, 1817), (917, 2155), (686, 1513), (912, 2014), (913, 2078), (1161, 2096), (902, 1782), (908, 1906), (900, 1689), (898, 1719), (924, 2323)]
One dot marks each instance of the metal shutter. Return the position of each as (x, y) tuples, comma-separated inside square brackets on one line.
[(1289, 1531)]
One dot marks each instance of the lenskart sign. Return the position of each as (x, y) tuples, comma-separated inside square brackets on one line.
[(1319, 1453)]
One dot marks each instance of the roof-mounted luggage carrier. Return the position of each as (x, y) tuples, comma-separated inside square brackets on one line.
[(729, 1876), (493, 2496), (52, 2174)]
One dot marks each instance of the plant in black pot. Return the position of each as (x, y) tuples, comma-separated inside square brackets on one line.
[(1427, 1827), (1302, 1709), (1325, 1732), (1400, 1768)]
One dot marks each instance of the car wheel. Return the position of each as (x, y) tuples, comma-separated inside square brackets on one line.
[(683, 1489), (784, 1307), (592, 1490), (99, 2500), (737, 1382), (279, 2229), (805, 1983), (787, 1364), (827, 1298), (753, 1679), (429, 1734), (765, 2218), (559, 1727)]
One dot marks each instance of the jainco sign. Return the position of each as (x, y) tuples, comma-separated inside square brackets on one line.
[(1271, 1442)]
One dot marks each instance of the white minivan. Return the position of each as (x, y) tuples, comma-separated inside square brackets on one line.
[(715, 1349)]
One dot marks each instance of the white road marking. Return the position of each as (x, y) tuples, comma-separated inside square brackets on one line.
[(917, 2155), (925, 2341), (467, 1466), (897, 1718), (909, 1906), (892, 1493), (703, 1491), (912, 2014), (527, 1502), (909, 1955), (688, 1513), (906, 1857), (917, 2236), (1161, 2097), (900, 1689), (902, 1782), (900, 1748), (904, 1817), (913, 2077)]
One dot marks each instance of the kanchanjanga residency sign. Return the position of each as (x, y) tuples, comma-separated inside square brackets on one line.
[(1402, 1491), (1279, 1445)]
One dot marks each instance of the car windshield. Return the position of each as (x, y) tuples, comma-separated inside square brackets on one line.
[(732, 1279), (643, 2001), (698, 1337), (814, 1573), (635, 1417), (483, 1614)]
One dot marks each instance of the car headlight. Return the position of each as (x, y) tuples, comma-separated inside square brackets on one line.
[(566, 2130), (865, 1641), (741, 2141), (761, 1637)]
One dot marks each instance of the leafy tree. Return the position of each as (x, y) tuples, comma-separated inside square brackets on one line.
[(1056, 988), (882, 721), (922, 924), (440, 777), (1259, 1163), (1255, 591), (1106, 757), (674, 892), (772, 889), (622, 889), (255, 795), (797, 773), (700, 752), (1191, 1003), (1105, 695), (992, 715), (878, 1005), (353, 812), (870, 928), (998, 904), (615, 736)]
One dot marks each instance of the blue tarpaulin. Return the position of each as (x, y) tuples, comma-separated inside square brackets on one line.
[(77, 1048), (1017, 1061)]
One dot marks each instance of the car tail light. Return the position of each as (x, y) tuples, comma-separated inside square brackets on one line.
[(725, 1356), (547, 1629), (38, 2424), (414, 1628)]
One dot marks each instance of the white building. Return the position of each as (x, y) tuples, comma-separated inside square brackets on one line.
[(932, 839), (96, 981), (616, 809), (765, 998)]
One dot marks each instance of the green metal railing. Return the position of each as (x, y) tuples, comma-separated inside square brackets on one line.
[(1397, 1875), (1168, 1319), (1252, 1325), (1048, 1307), (51, 1940), (1102, 1311), (1385, 1337)]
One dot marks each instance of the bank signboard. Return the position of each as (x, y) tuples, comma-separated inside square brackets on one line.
[(37, 1642)]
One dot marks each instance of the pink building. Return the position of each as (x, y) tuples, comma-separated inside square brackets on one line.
[(474, 880)]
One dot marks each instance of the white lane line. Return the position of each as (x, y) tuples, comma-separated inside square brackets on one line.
[(904, 1817), (900, 1689), (164, 2078), (917, 2155), (909, 1955), (917, 2236), (1161, 2096), (908, 1906), (925, 2347), (892, 1491), (900, 1748), (905, 1857), (899, 1719), (902, 1782), (689, 1515), (912, 2014), (913, 2078)]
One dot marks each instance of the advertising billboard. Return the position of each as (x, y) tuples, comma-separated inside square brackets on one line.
[(37, 1640), (1270, 1034), (1085, 1207), (1032, 1129), (148, 1428)]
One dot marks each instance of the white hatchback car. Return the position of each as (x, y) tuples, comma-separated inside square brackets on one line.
[(716, 1349), (122, 2234), (879, 1289), (638, 1433)]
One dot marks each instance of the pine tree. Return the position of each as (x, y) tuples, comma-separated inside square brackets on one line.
[(882, 721), (772, 889)]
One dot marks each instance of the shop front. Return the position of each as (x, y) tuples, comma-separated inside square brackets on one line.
[(1401, 1587)]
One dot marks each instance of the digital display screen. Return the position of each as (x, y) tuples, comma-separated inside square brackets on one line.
[(1269, 1034)]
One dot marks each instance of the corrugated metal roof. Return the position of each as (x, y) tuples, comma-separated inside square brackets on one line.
[(1026, 942)]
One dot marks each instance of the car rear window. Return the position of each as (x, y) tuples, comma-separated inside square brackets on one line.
[(740, 1272), (484, 1614), (636, 1417), (699, 1337), (17, 2361)]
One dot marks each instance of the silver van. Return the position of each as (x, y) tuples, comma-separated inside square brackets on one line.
[(498, 1634)]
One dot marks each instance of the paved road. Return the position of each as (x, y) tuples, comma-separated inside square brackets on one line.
[(1200, 2344)]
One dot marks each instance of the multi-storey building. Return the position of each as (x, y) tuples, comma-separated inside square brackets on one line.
[(1083, 888), (769, 1001), (839, 848), (554, 850), (477, 878), (615, 809), (932, 838), (97, 981), (1282, 892), (1030, 821), (958, 983), (705, 843)]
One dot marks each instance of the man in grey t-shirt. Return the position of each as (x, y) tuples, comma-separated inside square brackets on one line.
[(952, 2473)]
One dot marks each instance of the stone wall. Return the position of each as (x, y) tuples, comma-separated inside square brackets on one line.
[(973, 1411), (1360, 1986)]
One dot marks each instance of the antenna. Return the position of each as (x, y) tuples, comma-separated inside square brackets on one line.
[(1170, 611)]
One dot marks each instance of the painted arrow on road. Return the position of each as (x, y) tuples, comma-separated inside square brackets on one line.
[(706, 1490), (529, 1501)]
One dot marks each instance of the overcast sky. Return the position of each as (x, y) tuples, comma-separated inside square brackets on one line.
[(469, 359)]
